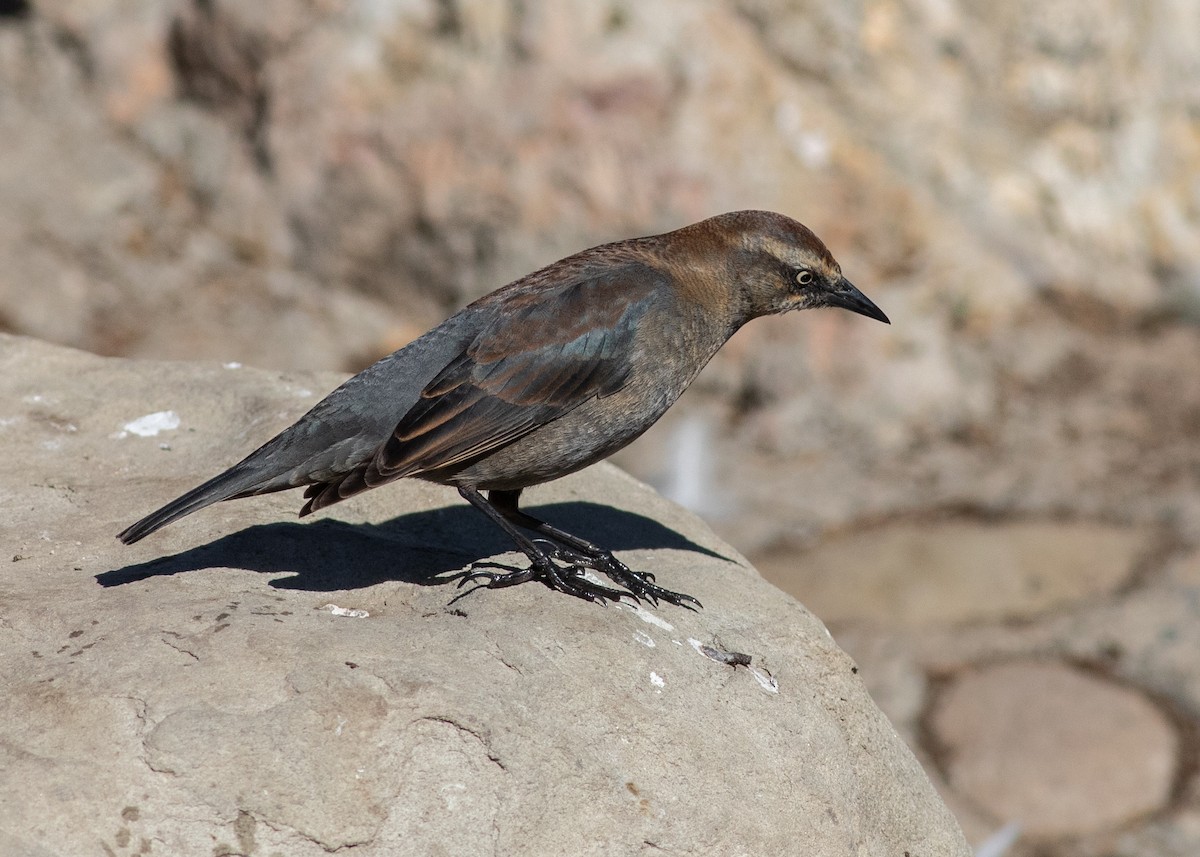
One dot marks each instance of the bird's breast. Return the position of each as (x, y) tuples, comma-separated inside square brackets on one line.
[(669, 349)]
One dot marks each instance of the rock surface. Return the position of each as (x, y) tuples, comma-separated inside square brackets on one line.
[(212, 690), (929, 572), (1029, 740), (1076, 725)]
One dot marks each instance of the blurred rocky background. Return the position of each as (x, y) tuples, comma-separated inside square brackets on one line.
[(994, 503)]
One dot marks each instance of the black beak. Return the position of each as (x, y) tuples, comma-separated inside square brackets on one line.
[(847, 296)]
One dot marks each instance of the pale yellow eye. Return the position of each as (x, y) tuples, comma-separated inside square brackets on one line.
[(804, 278)]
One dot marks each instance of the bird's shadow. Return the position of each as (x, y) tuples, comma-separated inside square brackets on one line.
[(425, 548)]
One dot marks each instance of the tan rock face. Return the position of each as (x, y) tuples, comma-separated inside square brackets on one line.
[(1056, 750), (924, 573), (201, 693)]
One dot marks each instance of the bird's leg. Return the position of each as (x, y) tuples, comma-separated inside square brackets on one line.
[(541, 564), (576, 552)]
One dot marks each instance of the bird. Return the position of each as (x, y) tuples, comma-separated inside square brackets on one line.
[(541, 378)]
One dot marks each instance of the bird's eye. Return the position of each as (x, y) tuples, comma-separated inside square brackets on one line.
[(804, 278)]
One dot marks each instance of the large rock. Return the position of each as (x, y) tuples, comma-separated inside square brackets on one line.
[(197, 694), (1030, 740)]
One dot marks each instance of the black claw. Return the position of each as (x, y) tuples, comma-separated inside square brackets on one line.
[(475, 577), (492, 580), (567, 579), (561, 561), (640, 584)]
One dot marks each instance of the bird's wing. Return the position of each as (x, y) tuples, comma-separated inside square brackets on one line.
[(545, 349), (547, 352)]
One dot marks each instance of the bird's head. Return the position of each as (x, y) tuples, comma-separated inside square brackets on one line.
[(777, 264)]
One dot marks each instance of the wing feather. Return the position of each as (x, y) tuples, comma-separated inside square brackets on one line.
[(548, 350), (530, 367)]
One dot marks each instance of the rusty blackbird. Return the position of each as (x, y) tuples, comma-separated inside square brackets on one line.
[(540, 378)]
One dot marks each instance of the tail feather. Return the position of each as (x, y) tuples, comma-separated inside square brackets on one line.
[(232, 483)]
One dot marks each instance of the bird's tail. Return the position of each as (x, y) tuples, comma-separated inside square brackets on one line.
[(235, 482)]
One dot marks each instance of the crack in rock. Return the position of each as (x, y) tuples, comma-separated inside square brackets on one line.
[(486, 744), (180, 649)]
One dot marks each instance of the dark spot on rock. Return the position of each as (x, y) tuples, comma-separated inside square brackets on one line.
[(243, 829), (14, 9), (733, 659)]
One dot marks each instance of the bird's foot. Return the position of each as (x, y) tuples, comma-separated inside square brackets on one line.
[(640, 584), (568, 579)]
